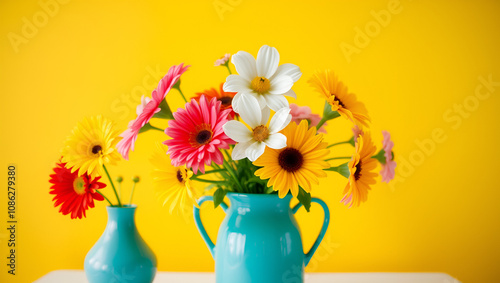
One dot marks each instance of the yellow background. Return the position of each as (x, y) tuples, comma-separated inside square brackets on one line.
[(92, 57)]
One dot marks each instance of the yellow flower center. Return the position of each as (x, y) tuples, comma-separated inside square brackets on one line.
[(260, 133), (335, 102), (261, 85), (79, 185)]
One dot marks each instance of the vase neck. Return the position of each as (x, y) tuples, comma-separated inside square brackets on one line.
[(247, 203), (121, 217)]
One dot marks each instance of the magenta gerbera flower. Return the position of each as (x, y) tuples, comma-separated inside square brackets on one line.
[(197, 134), (389, 168), (148, 108)]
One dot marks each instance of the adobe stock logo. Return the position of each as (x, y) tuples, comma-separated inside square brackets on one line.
[(223, 6), (32, 25), (372, 29), (454, 117)]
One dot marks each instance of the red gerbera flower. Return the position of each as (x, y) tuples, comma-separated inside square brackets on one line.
[(75, 194), (226, 98)]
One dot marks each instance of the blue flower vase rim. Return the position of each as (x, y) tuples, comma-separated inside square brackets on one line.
[(126, 206)]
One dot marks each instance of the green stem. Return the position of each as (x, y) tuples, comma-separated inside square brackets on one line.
[(182, 94), (340, 157), (207, 181), (231, 171), (112, 185), (338, 143), (214, 171), (155, 128), (148, 127), (120, 190), (132, 194), (321, 122), (228, 69), (104, 197)]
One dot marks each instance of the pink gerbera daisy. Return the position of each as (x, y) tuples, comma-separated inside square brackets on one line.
[(389, 168), (197, 134), (148, 108), (304, 113)]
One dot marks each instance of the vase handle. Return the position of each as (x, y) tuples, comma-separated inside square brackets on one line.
[(199, 224), (315, 246)]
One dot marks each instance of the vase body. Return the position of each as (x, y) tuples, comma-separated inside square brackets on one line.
[(259, 241), (120, 254)]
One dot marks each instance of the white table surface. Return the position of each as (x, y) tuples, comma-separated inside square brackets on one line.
[(78, 276)]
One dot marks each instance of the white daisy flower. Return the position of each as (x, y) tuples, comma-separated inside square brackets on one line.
[(252, 142), (263, 79)]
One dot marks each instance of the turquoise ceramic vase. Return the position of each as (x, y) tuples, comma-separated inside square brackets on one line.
[(120, 255), (259, 240)]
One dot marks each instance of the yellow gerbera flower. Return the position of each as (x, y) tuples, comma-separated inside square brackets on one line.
[(337, 95), (173, 185), (298, 164), (90, 146), (361, 169)]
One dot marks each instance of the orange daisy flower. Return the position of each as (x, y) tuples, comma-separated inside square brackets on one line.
[(224, 97), (361, 169), (336, 94)]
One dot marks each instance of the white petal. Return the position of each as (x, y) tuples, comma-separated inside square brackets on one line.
[(266, 112), (281, 84), (279, 120), (276, 141), (235, 83), (276, 102), (255, 150), (249, 110), (291, 93), (268, 59), (289, 70), (245, 65), (239, 150), (261, 99), (237, 131)]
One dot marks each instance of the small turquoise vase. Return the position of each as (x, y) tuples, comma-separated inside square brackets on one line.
[(120, 255), (259, 240)]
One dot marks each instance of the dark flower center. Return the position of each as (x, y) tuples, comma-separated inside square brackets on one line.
[(179, 176), (203, 137), (357, 174), (96, 149), (226, 100), (290, 159)]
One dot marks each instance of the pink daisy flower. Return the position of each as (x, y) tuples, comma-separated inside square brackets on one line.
[(197, 134), (304, 113), (222, 60), (148, 108), (389, 168)]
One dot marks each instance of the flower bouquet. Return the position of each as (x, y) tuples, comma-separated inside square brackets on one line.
[(245, 141)]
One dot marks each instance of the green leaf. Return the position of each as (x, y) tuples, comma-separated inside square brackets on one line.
[(219, 195), (304, 198), (165, 112)]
